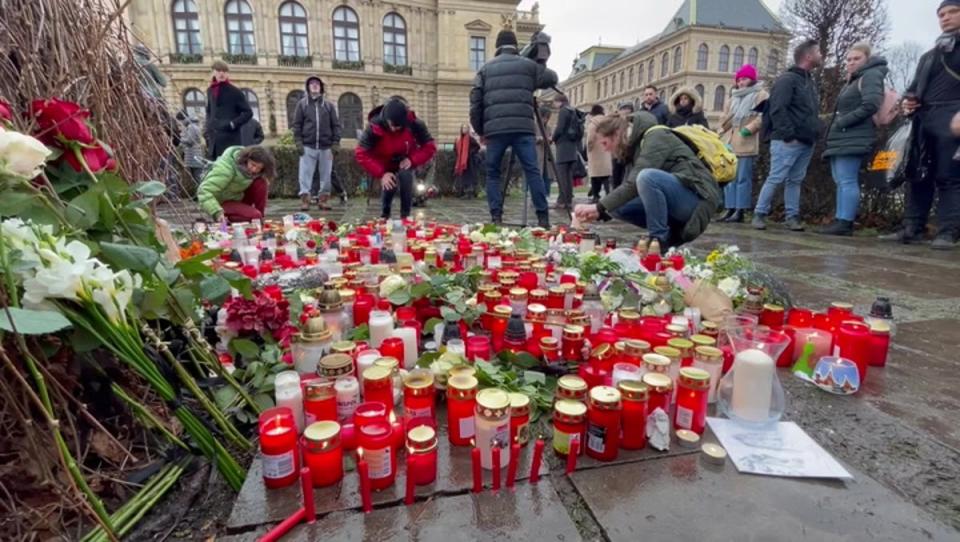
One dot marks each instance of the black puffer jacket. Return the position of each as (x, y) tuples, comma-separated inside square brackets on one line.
[(501, 101), (793, 108), (315, 121)]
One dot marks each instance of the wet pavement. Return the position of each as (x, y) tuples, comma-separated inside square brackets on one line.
[(899, 436)]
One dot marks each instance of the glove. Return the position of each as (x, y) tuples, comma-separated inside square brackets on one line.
[(745, 132)]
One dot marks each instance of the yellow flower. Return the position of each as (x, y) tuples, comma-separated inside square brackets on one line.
[(713, 257)]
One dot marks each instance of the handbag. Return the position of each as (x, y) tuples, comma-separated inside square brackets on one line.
[(579, 170)]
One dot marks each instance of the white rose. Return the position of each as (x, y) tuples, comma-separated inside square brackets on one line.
[(391, 284), (476, 237), (729, 286), (21, 155), (492, 237)]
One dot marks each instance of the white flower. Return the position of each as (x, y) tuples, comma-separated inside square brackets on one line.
[(476, 237), (730, 250), (706, 274), (492, 237), (21, 155), (729, 286), (21, 236), (391, 284)]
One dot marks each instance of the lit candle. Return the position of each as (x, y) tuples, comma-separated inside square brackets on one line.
[(820, 339), (363, 471), (514, 460), (348, 397), (288, 394), (537, 458), (477, 472), (409, 337), (366, 359), (572, 456), (495, 454), (278, 442), (752, 385), (381, 327)]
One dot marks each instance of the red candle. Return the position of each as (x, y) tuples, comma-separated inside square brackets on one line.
[(422, 445), (378, 386), (411, 484), (786, 358), (363, 470), (603, 423), (362, 306), (800, 317), (376, 439), (519, 418), (693, 388), (660, 393), (322, 452), (633, 420), (771, 316), (392, 347), (406, 313), (854, 344), (839, 312), (572, 456), (319, 401), (478, 348), (537, 458), (461, 403), (278, 447), (477, 472), (418, 393), (369, 412), (879, 344), (495, 459), (512, 466), (306, 486)]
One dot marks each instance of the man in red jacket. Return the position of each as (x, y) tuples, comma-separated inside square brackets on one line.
[(394, 144)]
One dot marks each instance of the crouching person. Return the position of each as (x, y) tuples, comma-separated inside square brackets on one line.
[(235, 188), (667, 189)]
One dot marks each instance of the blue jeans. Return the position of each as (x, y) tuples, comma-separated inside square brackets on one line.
[(661, 201), (788, 164), (846, 173), (525, 149), (739, 193)]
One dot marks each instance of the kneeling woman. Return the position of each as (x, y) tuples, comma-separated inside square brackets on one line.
[(235, 188), (667, 189)]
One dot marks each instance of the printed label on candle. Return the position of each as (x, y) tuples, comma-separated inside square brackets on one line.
[(345, 408), (684, 417), (379, 463), (466, 427), (414, 413), (561, 441), (278, 466), (596, 437)]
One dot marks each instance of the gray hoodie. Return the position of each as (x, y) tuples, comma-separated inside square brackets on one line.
[(315, 121)]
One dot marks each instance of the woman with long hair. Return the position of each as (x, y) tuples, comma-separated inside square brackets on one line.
[(235, 188), (740, 129)]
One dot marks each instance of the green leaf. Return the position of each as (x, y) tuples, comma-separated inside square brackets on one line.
[(246, 348), (197, 266), (427, 358), (130, 257), (83, 211), (490, 228), (214, 289), (13, 202), (166, 272), (238, 281), (82, 341), (31, 322), (154, 304), (534, 377), (151, 189), (185, 298), (359, 333), (225, 396), (263, 400), (524, 360), (420, 290), (431, 325), (400, 297), (449, 315)]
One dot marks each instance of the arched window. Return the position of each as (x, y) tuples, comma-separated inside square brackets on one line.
[(186, 27), (293, 30), (664, 65), (662, 95), (394, 40), (677, 59), (651, 75), (622, 88), (773, 61), (239, 18), (737, 58), (699, 89), (292, 99), (194, 103), (253, 102), (724, 63), (640, 75), (719, 98), (703, 57), (753, 57), (351, 114), (346, 35), (630, 77)]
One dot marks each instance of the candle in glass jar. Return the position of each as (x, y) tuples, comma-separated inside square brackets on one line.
[(603, 423), (378, 386), (409, 337), (278, 443), (519, 418), (461, 402), (752, 384), (322, 453), (771, 316), (379, 453), (478, 348), (319, 401), (393, 347), (288, 393), (569, 425), (634, 395), (348, 397), (820, 339), (422, 450), (879, 343), (492, 424), (381, 327), (710, 359), (692, 394), (854, 344), (625, 371), (660, 391), (362, 306), (418, 391), (366, 359)]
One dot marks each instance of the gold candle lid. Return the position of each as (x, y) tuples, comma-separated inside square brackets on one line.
[(680, 344), (502, 311), (419, 382), (628, 315), (322, 436), (658, 382), (493, 403), (695, 378), (465, 370), (770, 307), (703, 340), (709, 354), (389, 362), (421, 439), (668, 351), (334, 365), (572, 383), (633, 390), (569, 411), (462, 387), (605, 397), (318, 390), (636, 348), (519, 404), (376, 374), (657, 360), (343, 347)]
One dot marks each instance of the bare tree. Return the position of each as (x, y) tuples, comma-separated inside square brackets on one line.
[(902, 60)]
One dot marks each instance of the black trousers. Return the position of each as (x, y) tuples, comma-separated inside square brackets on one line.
[(405, 186), (596, 183), (619, 170)]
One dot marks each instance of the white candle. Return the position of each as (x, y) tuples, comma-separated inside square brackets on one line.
[(753, 372), (366, 359), (289, 394), (457, 346), (348, 397), (409, 337), (250, 255), (381, 327)]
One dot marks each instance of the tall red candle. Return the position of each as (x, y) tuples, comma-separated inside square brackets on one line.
[(495, 459), (477, 472), (392, 347), (537, 458), (278, 447), (879, 344), (363, 472), (306, 486), (572, 456), (693, 388), (411, 485), (800, 317), (512, 466), (461, 403), (603, 423), (378, 386), (854, 344), (633, 421)]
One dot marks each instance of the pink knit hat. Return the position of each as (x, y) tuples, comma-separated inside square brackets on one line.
[(747, 71)]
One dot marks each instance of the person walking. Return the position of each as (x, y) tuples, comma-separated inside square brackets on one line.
[(686, 109), (235, 189), (502, 114), (316, 131), (467, 150), (740, 129), (226, 112), (852, 131), (566, 137), (599, 160), (932, 101), (792, 123)]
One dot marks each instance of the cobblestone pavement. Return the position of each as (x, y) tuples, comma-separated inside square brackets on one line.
[(898, 436)]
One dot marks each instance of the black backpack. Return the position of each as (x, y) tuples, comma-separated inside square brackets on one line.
[(576, 129)]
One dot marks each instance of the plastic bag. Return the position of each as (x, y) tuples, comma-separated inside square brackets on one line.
[(893, 159)]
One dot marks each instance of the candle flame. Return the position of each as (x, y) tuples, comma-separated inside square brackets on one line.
[(393, 417), (360, 453), (473, 442)]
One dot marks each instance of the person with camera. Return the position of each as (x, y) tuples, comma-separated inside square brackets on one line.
[(502, 114), (316, 131), (394, 144)]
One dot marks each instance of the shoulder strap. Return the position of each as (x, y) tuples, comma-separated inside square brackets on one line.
[(952, 73)]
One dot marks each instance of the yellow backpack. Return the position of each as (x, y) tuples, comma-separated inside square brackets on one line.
[(710, 149)]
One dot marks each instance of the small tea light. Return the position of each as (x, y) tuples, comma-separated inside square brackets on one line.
[(687, 438), (714, 453)]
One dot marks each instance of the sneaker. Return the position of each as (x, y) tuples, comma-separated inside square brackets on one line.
[(906, 236), (736, 218), (497, 220), (793, 224), (944, 241), (305, 202), (726, 215), (837, 227), (759, 221)]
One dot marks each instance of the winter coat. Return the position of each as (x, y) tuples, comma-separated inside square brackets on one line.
[(225, 181), (658, 110), (315, 121), (686, 117), (190, 144), (730, 130), (381, 150), (852, 132), (251, 133), (501, 101), (227, 112), (567, 147), (931, 123), (599, 161), (793, 108), (662, 149)]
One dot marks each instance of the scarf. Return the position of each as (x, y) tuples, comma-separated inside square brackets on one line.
[(462, 147), (215, 86), (742, 104), (946, 42)]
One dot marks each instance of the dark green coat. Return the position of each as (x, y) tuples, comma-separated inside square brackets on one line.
[(852, 131), (662, 149)]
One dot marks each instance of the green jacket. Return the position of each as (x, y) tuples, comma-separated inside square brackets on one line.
[(852, 131), (662, 149), (224, 182)]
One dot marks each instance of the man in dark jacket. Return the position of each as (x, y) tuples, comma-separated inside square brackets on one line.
[(793, 124), (251, 133), (652, 104), (501, 112), (316, 130), (686, 109), (933, 102), (567, 137), (227, 112), (394, 144)]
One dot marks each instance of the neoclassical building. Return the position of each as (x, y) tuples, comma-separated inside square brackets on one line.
[(365, 50), (702, 46)]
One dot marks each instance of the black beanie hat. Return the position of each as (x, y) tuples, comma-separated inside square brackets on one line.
[(396, 112), (505, 38), (946, 3)]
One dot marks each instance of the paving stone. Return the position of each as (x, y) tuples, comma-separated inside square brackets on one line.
[(939, 337), (685, 499), (530, 512)]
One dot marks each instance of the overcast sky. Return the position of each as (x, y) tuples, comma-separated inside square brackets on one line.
[(575, 27)]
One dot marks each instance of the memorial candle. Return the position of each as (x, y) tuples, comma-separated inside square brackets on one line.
[(603, 423), (322, 453), (477, 470), (378, 386), (381, 327), (348, 397), (753, 373), (492, 423), (478, 348), (692, 395), (376, 439), (411, 485), (362, 306), (393, 347), (320, 402), (461, 401), (535, 463), (278, 444), (422, 445), (409, 337), (418, 392), (771, 316), (633, 422), (288, 393), (660, 391), (879, 343), (821, 341), (854, 344)]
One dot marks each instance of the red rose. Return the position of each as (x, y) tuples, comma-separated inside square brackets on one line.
[(97, 158), (63, 120), (5, 113), (315, 226), (332, 226), (311, 244)]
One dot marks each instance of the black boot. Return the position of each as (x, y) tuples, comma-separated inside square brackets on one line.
[(838, 227), (726, 216), (909, 234), (497, 220), (736, 217), (543, 219)]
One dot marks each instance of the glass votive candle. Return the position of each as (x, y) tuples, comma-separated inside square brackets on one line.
[(418, 392), (634, 395), (322, 453), (478, 348), (376, 441), (369, 412), (458, 347), (461, 402), (571, 387), (519, 418), (625, 371), (378, 386), (422, 448), (393, 347), (692, 393), (660, 388), (278, 447)]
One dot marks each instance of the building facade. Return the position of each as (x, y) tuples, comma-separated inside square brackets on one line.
[(427, 51), (702, 47)]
